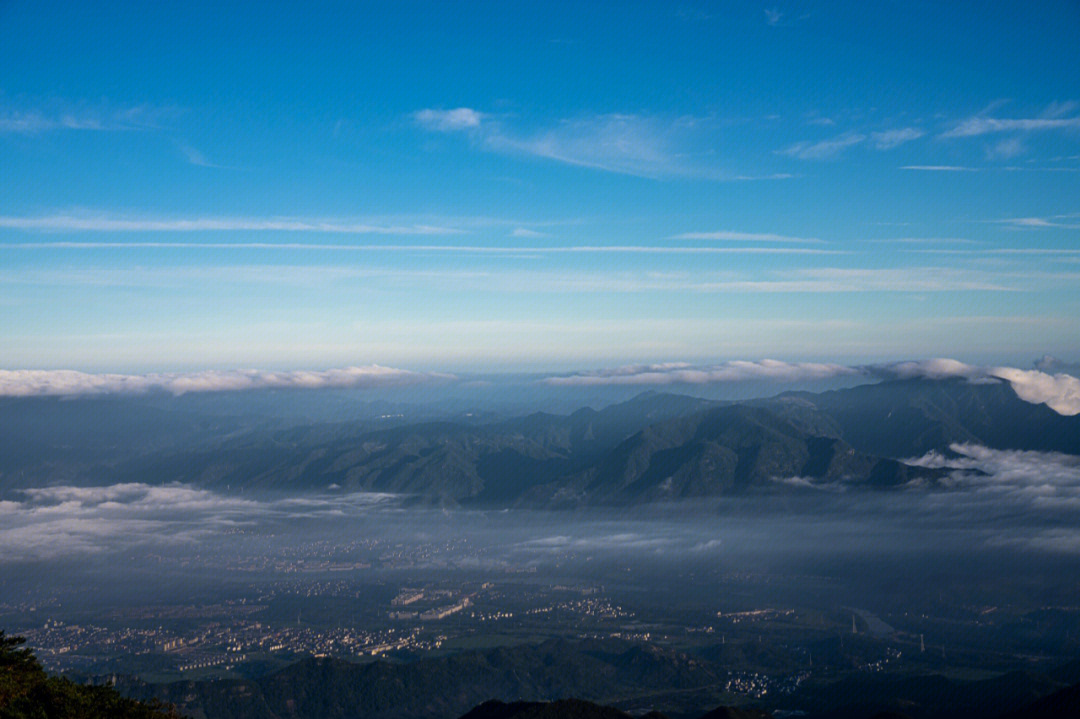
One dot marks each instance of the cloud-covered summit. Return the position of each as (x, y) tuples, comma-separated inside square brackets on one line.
[(71, 383), (1059, 391)]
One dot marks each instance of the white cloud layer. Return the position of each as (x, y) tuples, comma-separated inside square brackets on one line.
[(1010, 483), (65, 522), (1060, 392), (71, 383), (937, 368), (681, 373)]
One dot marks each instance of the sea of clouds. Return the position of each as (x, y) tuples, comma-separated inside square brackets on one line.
[(993, 499)]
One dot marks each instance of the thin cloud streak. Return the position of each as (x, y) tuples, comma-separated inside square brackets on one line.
[(636, 145), (941, 168), (975, 126), (472, 249), (889, 139), (823, 149), (741, 237), (683, 373), (461, 118), (1038, 222), (69, 223), (65, 117)]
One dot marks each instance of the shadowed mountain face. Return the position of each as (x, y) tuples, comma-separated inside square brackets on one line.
[(625, 454), (561, 709), (911, 417), (721, 451), (654, 447), (446, 461), (926, 697), (1062, 704)]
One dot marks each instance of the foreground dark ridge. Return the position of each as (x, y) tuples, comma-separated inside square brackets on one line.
[(27, 692), (580, 709), (434, 688), (638, 678)]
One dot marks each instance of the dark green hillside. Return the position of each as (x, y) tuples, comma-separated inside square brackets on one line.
[(561, 709), (442, 686), (911, 417), (722, 451), (452, 462), (654, 447), (26, 692), (1063, 704)]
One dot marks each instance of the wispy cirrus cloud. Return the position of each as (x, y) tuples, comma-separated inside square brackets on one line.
[(629, 144), (114, 223), (464, 249), (60, 116), (742, 237), (832, 147), (925, 240), (526, 232), (71, 383), (196, 157), (1006, 149), (941, 168), (1067, 221), (461, 118), (889, 139), (822, 149), (985, 125)]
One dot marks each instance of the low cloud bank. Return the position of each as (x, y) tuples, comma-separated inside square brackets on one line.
[(68, 521), (682, 373), (71, 383), (1010, 484), (997, 499), (1059, 391)]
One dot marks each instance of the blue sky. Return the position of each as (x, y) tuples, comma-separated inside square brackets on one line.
[(511, 186)]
